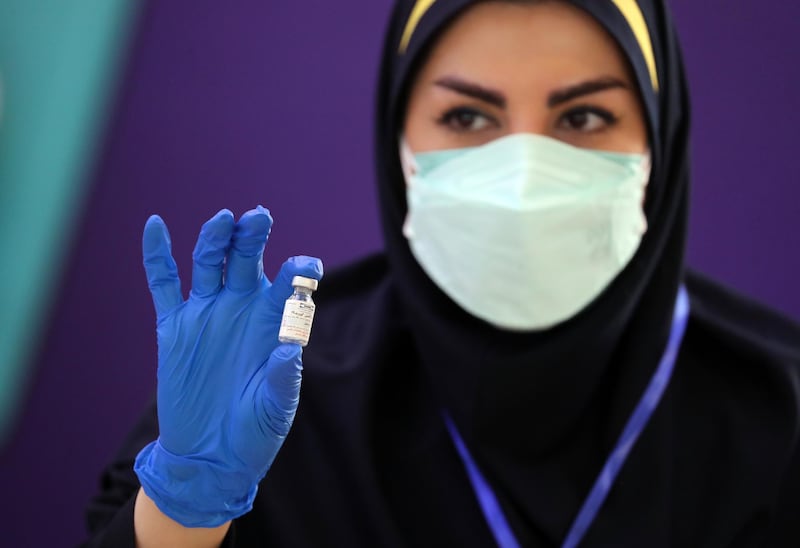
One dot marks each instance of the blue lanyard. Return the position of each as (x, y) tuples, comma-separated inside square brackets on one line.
[(636, 423)]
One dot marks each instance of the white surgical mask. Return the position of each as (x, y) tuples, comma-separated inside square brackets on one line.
[(525, 231)]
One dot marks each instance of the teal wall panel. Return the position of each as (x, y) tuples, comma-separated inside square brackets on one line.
[(59, 60)]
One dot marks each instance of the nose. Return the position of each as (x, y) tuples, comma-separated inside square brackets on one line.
[(528, 120)]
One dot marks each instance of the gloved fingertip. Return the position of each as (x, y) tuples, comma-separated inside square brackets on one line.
[(264, 210), (288, 352), (223, 215), (154, 218), (284, 375), (218, 229), (155, 238), (257, 220), (299, 265), (251, 232), (304, 265)]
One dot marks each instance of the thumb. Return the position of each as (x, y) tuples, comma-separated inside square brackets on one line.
[(282, 388), (300, 265)]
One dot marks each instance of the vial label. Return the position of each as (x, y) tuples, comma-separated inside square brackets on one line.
[(296, 323)]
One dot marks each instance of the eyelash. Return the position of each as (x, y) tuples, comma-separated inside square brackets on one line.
[(606, 116), (449, 118)]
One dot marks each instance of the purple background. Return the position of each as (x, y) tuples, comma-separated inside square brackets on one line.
[(235, 104)]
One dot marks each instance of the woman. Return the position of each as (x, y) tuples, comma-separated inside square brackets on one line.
[(529, 364)]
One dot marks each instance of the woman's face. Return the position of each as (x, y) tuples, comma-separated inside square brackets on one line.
[(546, 68)]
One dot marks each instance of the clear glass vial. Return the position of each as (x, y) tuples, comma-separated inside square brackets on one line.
[(298, 312)]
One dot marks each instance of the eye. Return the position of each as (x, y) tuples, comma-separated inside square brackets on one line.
[(465, 119), (587, 119)]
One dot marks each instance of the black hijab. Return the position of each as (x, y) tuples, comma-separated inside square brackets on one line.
[(541, 411), (494, 382)]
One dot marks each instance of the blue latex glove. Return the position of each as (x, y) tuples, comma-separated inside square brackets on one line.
[(227, 389)]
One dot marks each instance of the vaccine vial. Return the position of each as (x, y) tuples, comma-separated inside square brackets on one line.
[(298, 312)]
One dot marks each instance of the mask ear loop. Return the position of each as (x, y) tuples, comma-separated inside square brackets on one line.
[(407, 161), (647, 165), (410, 168)]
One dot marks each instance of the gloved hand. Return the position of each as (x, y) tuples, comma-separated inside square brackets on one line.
[(227, 389)]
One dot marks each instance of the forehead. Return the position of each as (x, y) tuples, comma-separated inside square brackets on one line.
[(525, 41), (417, 24)]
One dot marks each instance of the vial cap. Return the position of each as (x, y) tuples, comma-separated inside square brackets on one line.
[(302, 281)]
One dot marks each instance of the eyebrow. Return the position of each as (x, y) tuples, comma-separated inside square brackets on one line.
[(584, 88), (473, 90), (496, 98)]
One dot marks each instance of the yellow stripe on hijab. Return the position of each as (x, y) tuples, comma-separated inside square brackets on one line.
[(629, 9), (416, 14)]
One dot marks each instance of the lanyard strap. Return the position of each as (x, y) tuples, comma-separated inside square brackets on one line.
[(650, 399)]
